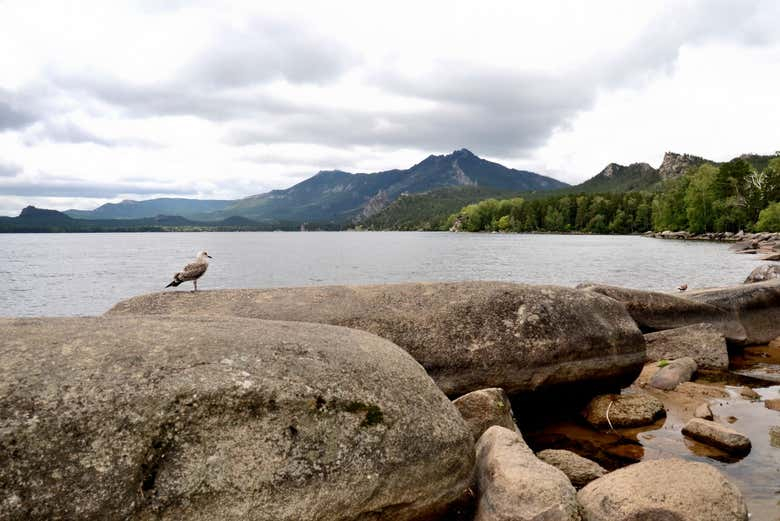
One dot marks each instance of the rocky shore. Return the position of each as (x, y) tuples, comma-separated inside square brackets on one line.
[(766, 243), (390, 402)]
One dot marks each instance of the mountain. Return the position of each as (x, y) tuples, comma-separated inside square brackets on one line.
[(639, 176), (32, 219), (141, 209), (337, 196)]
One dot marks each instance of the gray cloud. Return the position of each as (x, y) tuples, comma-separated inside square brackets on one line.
[(84, 188), (13, 118), (269, 49), (63, 132), (495, 110), (9, 169)]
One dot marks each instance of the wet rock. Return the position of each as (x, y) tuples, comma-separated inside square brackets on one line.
[(143, 418), (673, 374), (656, 311), (485, 408), (702, 342), (514, 484), (467, 335), (623, 410), (765, 272), (703, 411), (579, 470), (748, 393), (773, 404), (756, 305), (663, 490), (774, 257), (717, 435)]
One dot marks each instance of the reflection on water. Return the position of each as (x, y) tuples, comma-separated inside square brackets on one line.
[(757, 474), (85, 274)]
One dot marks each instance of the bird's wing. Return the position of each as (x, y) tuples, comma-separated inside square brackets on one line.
[(192, 271)]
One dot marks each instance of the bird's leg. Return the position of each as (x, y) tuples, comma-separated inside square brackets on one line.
[(195, 282)]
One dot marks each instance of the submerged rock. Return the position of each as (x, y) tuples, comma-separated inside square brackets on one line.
[(485, 408), (467, 335), (623, 410), (143, 418), (579, 470), (515, 485), (748, 393), (702, 342), (663, 490), (717, 435), (673, 374), (773, 404)]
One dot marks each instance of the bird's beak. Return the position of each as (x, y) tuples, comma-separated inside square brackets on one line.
[(209, 256)]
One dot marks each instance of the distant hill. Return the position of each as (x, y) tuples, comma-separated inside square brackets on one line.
[(429, 210), (151, 208), (38, 220), (341, 197)]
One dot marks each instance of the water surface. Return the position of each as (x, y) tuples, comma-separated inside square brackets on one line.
[(85, 274)]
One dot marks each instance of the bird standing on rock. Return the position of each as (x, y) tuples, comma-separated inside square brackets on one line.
[(682, 287), (192, 271)]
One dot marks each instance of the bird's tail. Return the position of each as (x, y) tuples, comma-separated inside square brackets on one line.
[(175, 282)]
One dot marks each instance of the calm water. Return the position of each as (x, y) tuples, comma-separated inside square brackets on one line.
[(85, 274)]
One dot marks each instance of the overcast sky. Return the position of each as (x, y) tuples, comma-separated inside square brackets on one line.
[(113, 100)]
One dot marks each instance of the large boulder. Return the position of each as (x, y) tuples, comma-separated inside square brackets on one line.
[(467, 335), (140, 418), (579, 470), (702, 342), (656, 311), (513, 484), (485, 408), (663, 490), (765, 271), (717, 435), (757, 307), (623, 410), (673, 374)]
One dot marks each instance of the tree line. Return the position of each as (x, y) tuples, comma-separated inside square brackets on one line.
[(726, 198)]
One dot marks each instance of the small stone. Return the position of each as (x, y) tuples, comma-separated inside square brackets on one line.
[(579, 470), (484, 408), (703, 411), (750, 394), (676, 372), (717, 435), (774, 436), (773, 404)]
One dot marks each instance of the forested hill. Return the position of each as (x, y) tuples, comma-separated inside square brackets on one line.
[(685, 193)]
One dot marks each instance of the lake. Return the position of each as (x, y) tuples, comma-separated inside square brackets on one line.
[(85, 274)]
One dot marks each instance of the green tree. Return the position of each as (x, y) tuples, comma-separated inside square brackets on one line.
[(699, 199), (769, 219)]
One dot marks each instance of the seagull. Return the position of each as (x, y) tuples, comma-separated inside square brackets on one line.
[(192, 271), (682, 287)]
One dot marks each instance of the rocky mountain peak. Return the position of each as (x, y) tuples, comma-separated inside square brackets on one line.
[(674, 165)]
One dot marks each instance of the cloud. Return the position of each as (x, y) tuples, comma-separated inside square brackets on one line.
[(80, 188), (9, 169), (268, 49), (12, 118), (62, 132)]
